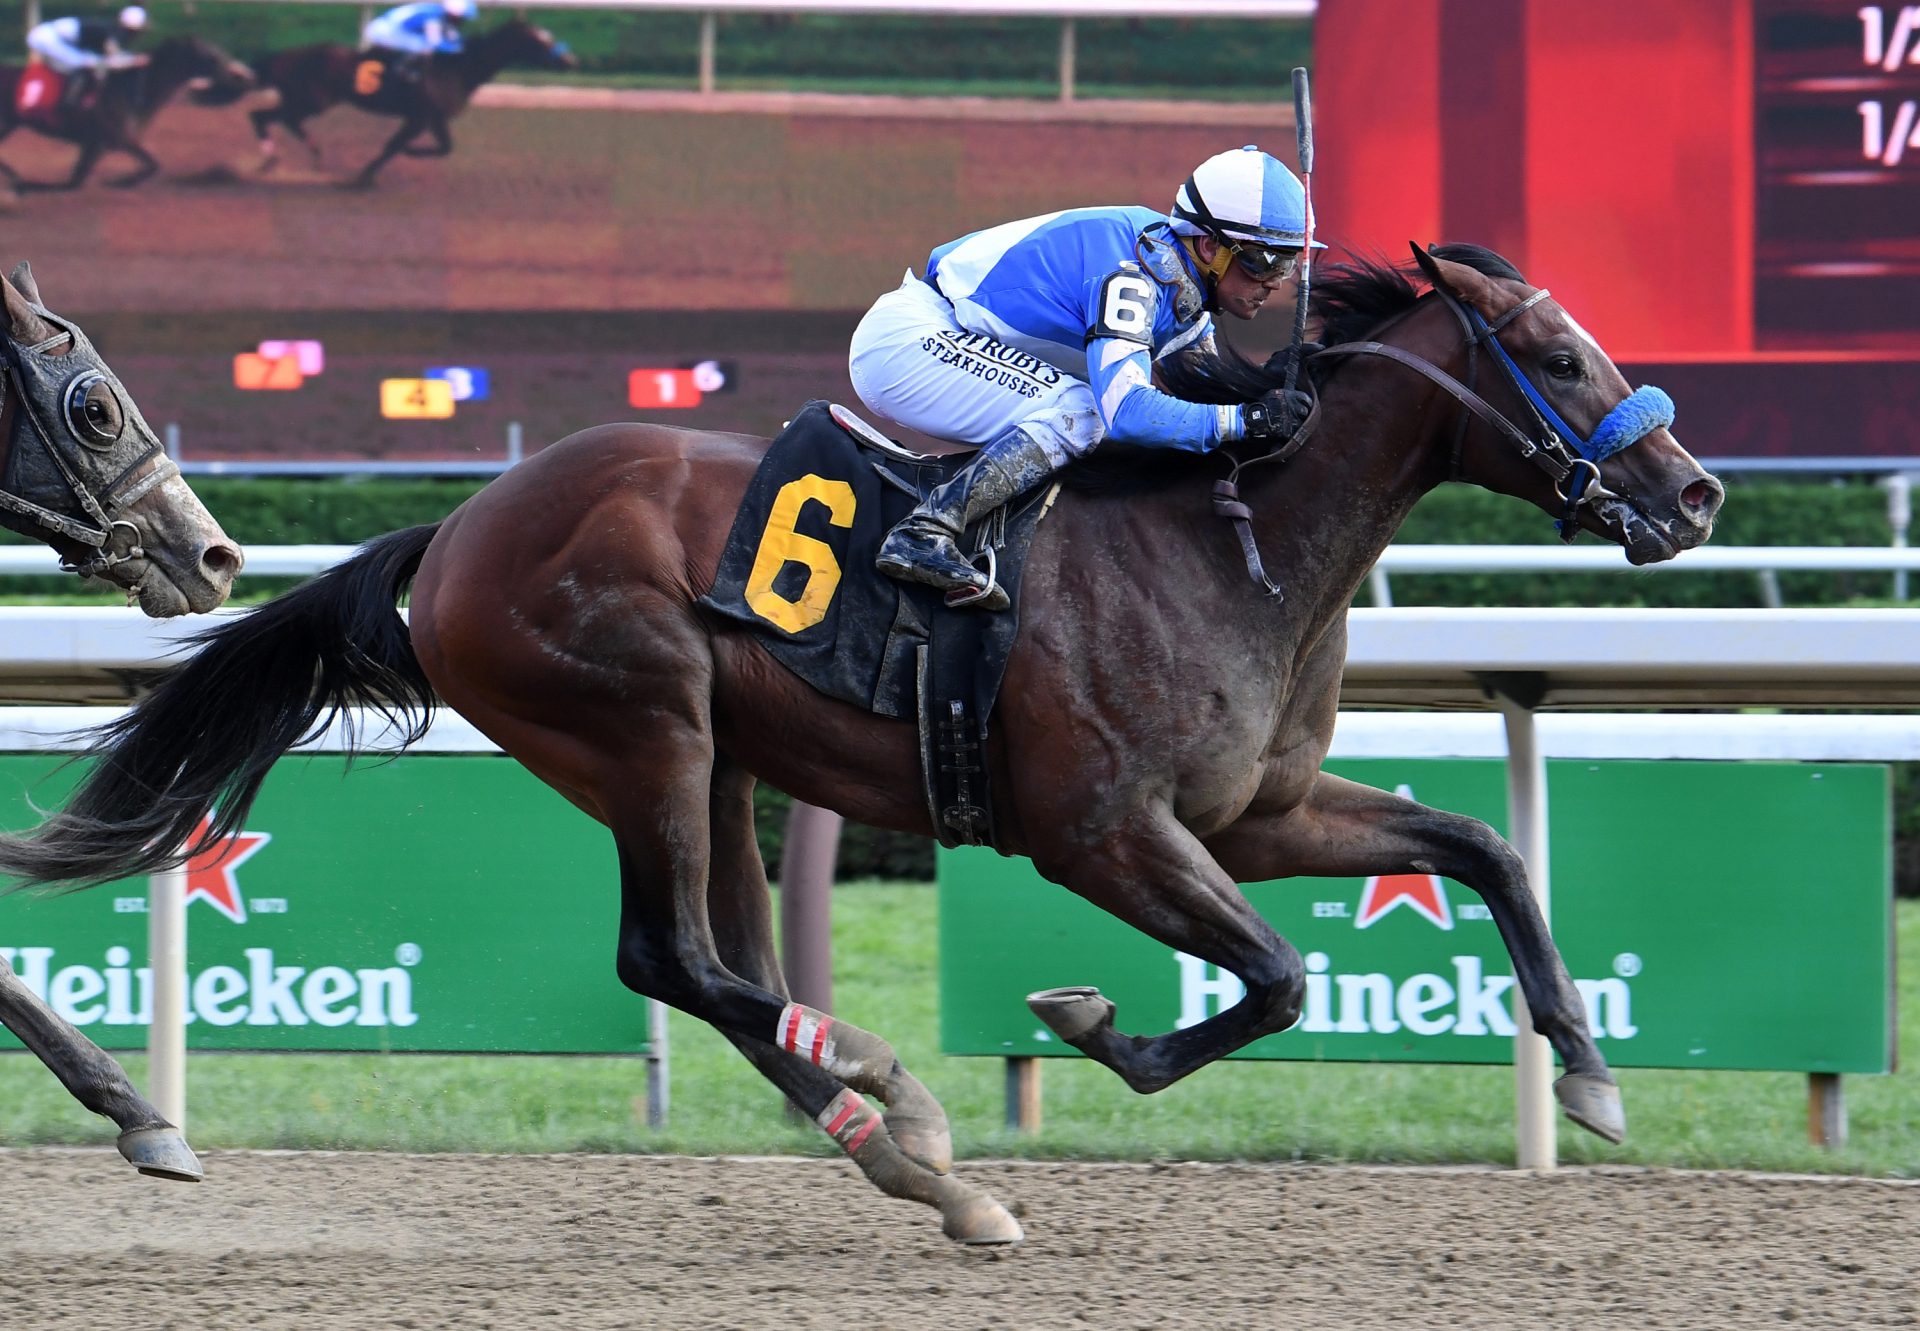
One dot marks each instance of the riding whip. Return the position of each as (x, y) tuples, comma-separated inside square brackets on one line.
[(1303, 128)]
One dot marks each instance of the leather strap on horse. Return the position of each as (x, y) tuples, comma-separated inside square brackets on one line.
[(1227, 503)]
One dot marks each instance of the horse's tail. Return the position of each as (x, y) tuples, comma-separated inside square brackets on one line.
[(199, 745)]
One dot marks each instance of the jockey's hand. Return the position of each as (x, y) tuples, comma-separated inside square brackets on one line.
[(1277, 363), (1276, 415)]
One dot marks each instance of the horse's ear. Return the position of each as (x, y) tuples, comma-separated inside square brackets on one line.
[(1430, 266), (1464, 284), (22, 279), (27, 326)]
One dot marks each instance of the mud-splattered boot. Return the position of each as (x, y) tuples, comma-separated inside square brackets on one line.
[(925, 546)]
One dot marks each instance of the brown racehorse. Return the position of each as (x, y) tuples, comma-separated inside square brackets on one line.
[(82, 472), (310, 79), (117, 117), (1159, 736)]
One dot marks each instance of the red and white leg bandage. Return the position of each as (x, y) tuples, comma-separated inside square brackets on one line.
[(849, 1120), (807, 1032)]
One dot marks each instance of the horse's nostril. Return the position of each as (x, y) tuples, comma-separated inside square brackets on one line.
[(1703, 496), (222, 562)]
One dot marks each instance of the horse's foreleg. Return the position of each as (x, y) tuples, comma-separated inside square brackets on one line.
[(148, 165), (1347, 830), (394, 145), (442, 141), (1150, 872), (893, 1150), (153, 1145)]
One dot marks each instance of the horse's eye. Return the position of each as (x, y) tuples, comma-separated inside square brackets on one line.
[(94, 412), (1563, 366)]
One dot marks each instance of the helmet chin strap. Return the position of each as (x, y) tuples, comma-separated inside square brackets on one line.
[(1213, 271)]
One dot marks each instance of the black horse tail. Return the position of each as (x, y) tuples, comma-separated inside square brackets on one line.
[(200, 744)]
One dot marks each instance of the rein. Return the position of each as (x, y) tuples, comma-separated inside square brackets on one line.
[(1574, 470)]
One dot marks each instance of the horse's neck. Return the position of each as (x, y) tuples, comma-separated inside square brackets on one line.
[(1329, 511), (481, 63), (148, 87)]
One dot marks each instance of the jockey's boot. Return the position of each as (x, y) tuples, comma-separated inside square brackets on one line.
[(924, 547)]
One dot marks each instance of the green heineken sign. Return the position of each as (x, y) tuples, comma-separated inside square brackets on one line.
[(429, 903), (1713, 915)]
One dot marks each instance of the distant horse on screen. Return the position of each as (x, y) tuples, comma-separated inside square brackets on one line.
[(116, 119), (82, 471), (310, 79), (1158, 739)]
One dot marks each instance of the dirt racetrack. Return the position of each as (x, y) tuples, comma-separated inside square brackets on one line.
[(284, 1240)]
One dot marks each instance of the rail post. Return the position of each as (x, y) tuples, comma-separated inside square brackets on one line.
[(167, 958), (1066, 59), (1534, 1118)]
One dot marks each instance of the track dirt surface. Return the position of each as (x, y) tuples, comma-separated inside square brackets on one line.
[(368, 1240)]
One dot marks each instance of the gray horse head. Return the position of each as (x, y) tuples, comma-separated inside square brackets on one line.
[(84, 472)]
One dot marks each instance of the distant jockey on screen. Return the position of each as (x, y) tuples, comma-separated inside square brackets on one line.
[(414, 33), (1038, 339), (83, 50)]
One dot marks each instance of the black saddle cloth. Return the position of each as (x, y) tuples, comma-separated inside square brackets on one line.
[(798, 571)]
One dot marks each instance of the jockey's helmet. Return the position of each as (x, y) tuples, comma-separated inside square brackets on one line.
[(133, 18), (1251, 204), (458, 10)]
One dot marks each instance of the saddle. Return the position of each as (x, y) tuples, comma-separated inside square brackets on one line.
[(798, 572)]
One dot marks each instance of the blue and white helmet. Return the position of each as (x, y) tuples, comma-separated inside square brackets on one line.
[(1244, 195)]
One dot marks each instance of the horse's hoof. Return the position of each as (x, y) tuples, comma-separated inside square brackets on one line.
[(918, 1124), (1074, 1012), (971, 1217), (1594, 1104), (161, 1153)]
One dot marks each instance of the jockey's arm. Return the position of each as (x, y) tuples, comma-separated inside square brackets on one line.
[(1120, 370), (54, 43)]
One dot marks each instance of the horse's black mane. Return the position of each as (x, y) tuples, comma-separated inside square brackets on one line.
[(1350, 300), (1355, 298)]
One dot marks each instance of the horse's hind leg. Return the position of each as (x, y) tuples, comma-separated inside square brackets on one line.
[(655, 798), (743, 934), (1345, 829), (150, 1143)]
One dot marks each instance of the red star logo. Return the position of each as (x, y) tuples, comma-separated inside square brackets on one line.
[(210, 874), (1422, 891)]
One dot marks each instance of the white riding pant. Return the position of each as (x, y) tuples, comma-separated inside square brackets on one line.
[(913, 363)]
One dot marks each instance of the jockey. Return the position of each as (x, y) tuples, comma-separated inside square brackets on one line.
[(84, 49), (413, 33), (1037, 339)]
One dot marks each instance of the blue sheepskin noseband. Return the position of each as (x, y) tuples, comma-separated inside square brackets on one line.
[(1644, 410)]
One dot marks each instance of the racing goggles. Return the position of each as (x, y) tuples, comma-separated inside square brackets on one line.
[(1261, 263)]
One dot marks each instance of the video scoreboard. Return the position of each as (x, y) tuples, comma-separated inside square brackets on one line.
[(1836, 122)]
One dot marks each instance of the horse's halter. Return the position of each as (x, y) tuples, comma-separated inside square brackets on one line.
[(87, 460), (1571, 461)]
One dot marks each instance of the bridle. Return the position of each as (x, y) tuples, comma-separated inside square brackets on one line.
[(48, 403), (1570, 460)]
